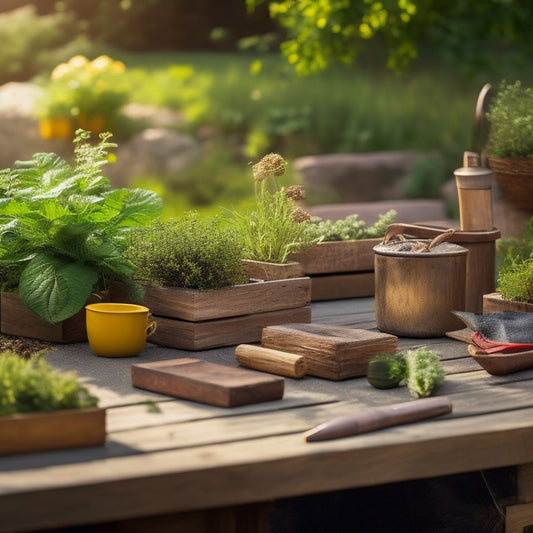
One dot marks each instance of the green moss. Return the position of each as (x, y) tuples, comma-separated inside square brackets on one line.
[(515, 281)]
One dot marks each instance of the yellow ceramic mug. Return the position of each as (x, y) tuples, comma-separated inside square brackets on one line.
[(118, 330)]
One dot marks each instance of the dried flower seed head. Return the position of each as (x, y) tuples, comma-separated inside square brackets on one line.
[(295, 192), (271, 165), (299, 215)]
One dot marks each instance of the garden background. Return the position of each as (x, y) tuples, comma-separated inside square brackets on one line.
[(218, 65)]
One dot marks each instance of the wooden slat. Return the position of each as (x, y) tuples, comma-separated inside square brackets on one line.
[(340, 286)]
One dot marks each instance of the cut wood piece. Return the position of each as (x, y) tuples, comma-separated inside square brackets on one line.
[(55, 430), (340, 286), (187, 335), (211, 383), (332, 352), (265, 271), (273, 361)]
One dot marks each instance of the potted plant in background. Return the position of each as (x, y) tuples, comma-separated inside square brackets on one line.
[(275, 227), (510, 142), (82, 94), (43, 409), (198, 290), (62, 234), (341, 264)]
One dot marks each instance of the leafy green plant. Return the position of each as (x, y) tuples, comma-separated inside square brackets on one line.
[(510, 117), (419, 369), (350, 228), (30, 385), (276, 226), (63, 229), (188, 252), (515, 281)]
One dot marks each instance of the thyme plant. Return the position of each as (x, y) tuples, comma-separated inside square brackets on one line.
[(187, 252)]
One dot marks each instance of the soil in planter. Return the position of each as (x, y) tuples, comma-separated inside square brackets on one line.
[(23, 346)]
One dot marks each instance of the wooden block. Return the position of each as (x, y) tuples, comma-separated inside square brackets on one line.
[(332, 352), (55, 430), (187, 335), (201, 381), (273, 361), (340, 286)]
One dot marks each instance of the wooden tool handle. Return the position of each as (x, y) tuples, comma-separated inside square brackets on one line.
[(269, 360), (376, 418)]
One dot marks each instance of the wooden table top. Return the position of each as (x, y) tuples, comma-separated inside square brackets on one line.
[(192, 456)]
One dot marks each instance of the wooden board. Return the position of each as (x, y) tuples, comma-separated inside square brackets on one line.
[(222, 332), (339, 286), (205, 382), (494, 303), (16, 319), (332, 352), (37, 432), (337, 256), (238, 300)]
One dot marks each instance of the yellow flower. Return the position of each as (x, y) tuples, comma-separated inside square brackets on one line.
[(118, 67), (61, 70), (77, 61), (101, 63)]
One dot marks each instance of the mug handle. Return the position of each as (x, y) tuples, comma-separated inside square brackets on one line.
[(151, 328)]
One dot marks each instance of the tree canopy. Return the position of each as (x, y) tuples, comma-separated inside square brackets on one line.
[(465, 31)]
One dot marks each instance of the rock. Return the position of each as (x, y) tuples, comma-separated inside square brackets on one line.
[(152, 152), (357, 177), (153, 116), (19, 131)]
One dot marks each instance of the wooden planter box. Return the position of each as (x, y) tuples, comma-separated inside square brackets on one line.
[(494, 303), (37, 432), (339, 269), (16, 319), (198, 320)]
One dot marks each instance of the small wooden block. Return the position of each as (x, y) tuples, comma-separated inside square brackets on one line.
[(332, 352), (202, 381)]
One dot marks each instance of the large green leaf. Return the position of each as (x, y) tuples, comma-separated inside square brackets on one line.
[(54, 289), (133, 207)]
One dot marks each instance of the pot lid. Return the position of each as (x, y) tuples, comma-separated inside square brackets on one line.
[(419, 248)]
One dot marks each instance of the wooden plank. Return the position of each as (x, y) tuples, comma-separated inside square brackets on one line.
[(68, 428), (205, 382), (247, 299), (222, 332), (337, 256), (229, 474), (340, 286)]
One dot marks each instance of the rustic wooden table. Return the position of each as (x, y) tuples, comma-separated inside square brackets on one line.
[(203, 468)]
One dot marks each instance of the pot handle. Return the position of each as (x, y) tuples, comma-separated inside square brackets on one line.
[(438, 235)]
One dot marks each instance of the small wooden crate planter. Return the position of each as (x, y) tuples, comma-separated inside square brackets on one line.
[(198, 320), (339, 269), (39, 432), (494, 303), (16, 319)]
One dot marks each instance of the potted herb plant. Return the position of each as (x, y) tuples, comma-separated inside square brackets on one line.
[(44, 409), (341, 264), (510, 142), (515, 275), (275, 227), (62, 234), (198, 290)]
